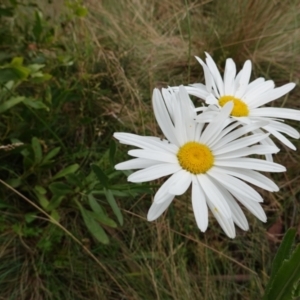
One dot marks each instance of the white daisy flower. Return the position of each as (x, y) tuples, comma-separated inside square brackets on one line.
[(211, 157), (247, 98)]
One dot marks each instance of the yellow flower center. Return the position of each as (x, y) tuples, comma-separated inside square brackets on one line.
[(240, 108), (195, 157)]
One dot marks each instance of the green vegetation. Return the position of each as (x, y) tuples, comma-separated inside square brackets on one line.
[(71, 74)]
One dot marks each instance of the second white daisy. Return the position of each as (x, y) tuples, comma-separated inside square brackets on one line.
[(248, 98)]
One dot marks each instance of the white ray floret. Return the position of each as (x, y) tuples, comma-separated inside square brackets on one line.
[(211, 157), (248, 98)]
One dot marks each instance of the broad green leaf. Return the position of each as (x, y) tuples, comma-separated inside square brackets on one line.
[(95, 229), (42, 200), (60, 188), (113, 204), (30, 217), (36, 104), (17, 62), (112, 152), (37, 150), (14, 182), (40, 78), (282, 254), (100, 175), (55, 215), (66, 171), (51, 154), (35, 67), (80, 11), (286, 278), (95, 206), (37, 29), (103, 219), (73, 179), (284, 250), (40, 189), (55, 202), (10, 103)]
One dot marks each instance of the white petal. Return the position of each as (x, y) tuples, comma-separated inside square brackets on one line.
[(280, 137), (252, 206), (236, 134), (251, 95), (197, 92), (156, 209), (272, 95), (251, 163), (229, 75), (236, 184), (164, 189), (209, 80), (244, 80), (215, 73), (251, 176), (199, 205), (240, 143), (168, 100), (153, 172), (214, 128), (279, 126), (225, 132), (237, 213), (274, 112), (136, 163), (226, 223), (258, 150), (254, 85), (188, 113), (145, 142), (163, 118), (180, 187), (214, 195), (155, 155)]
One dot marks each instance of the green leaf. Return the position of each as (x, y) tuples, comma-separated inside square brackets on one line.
[(55, 215), (73, 179), (40, 190), (36, 104), (66, 171), (37, 29), (112, 152), (113, 204), (284, 250), (103, 219), (60, 188), (51, 154), (35, 67), (55, 202), (95, 229), (10, 103), (14, 182), (100, 175), (42, 199), (30, 217), (95, 206), (17, 62), (37, 150), (286, 278), (80, 11)]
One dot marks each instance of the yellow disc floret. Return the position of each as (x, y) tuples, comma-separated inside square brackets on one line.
[(195, 157), (240, 108)]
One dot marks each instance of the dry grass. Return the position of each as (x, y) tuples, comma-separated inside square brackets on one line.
[(135, 46)]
